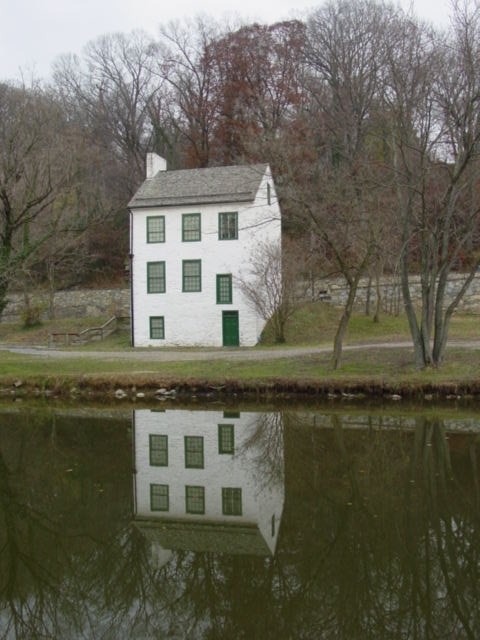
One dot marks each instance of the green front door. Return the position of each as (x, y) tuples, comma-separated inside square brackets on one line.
[(231, 336)]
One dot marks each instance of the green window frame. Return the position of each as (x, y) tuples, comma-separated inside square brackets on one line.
[(224, 288), (155, 229), (155, 277), (157, 328), (158, 450), (191, 227), (226, 438), (231, 501), (194, 452), (228, 225), (194, 499), (231, 414), (159, 497), (191, 275)]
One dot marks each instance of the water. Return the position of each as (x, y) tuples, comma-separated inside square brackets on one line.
[(239, 524)]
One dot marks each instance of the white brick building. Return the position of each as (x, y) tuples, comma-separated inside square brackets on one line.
[(192, 233)]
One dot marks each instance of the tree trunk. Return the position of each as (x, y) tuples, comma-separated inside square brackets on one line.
[(343, 324), (442, 317), (5, 257), (51, 289), (418, 345), (3, 294), (369, 293), (378, 289)]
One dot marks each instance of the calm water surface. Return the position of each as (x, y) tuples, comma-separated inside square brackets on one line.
[(239, 524)]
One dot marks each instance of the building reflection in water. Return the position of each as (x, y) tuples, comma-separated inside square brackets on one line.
[(380, 526), (208, 481)]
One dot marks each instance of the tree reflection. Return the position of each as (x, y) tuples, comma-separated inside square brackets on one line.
[(394, 538), (449, 536), (267, 445), (46, 489), (379, 539)]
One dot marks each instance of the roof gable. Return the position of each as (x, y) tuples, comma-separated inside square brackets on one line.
[(200, 186)]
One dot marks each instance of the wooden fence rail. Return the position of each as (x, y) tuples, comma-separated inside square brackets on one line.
[(83, 337)]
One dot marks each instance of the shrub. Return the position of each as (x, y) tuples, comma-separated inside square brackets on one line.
[(31, 316)]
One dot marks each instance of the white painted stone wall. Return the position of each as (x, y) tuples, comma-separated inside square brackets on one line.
[(261, 500), (195, 319)]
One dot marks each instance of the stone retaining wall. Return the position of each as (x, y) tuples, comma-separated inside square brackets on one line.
[(82, 303), (391, 293), (101, 303)]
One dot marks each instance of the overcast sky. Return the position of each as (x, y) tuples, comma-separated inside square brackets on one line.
[(35, 32)]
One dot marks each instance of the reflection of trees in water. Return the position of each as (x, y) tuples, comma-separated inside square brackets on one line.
[(380, 539), (442, 537), (71, 567), (195, 595), (52, 513), (27, 585), (393, 544), (266, 449)]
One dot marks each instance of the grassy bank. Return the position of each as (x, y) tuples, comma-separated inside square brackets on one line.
[(369, 370), (313, 324)]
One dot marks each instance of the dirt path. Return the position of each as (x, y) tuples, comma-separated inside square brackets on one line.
[(160, 355)]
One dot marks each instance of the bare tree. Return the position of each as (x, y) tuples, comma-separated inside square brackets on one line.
[(275, 284), (345, 190), (113, 101), (36, 173), (110, 91), (433, 96), (186, 67)]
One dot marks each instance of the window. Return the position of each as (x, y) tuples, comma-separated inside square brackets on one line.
[(195, 499), (225, 438), (191, 227), (224, 288), (158, 450), (156, 229), (157, 328), (231, 502), (269, 194), (159, 497), (231, 414), (192, 275), (194, 452), (156, 277), (228, 225)]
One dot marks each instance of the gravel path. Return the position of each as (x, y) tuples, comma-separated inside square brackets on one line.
[(161, 355)]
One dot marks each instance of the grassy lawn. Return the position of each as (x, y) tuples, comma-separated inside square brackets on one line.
[(312, 325), (12, 333), (363, 367), (316, 323)]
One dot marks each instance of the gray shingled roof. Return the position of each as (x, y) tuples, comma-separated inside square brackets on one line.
[(200, 186)]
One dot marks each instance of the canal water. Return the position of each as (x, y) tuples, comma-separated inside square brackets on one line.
[(237, 523)]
